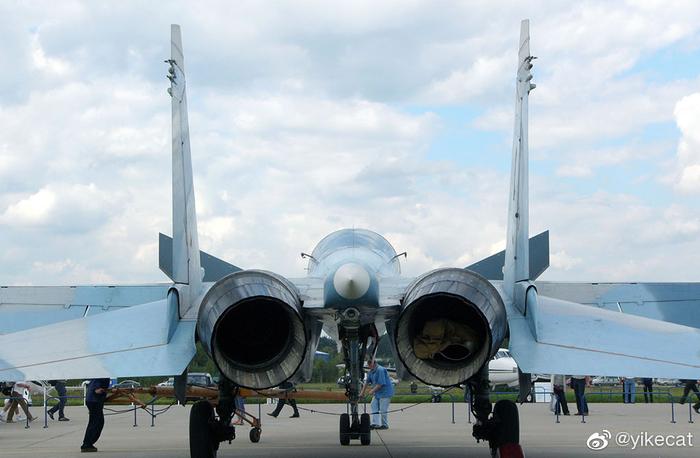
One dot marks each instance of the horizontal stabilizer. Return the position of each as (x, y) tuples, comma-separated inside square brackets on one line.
[(25, 307), (143, 340), (560, 337), (214, 268), (673, 302), (492, 267)]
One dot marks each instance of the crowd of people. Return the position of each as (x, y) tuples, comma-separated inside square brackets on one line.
[(378, 385), (629, 392)]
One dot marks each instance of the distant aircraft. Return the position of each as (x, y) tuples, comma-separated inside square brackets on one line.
[(262, 329), (503, 370)]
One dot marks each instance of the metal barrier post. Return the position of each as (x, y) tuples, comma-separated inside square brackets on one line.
[(134, 415), (26, 426), (153, 416), (260, 412), (673, 416), (453, 408), (46, 414), (690, 413)]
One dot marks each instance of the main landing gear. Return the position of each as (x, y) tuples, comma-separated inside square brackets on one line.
[(502, 429), (207, 430)]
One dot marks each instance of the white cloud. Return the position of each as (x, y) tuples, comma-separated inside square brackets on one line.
[(463, 85), (59, 208), (34, 209), (306, 119), (51, 65), (562, 260), (584, 162), (687, 113)]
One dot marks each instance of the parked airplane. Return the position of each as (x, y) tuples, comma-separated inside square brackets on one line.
[(503, 370), (262, 329)]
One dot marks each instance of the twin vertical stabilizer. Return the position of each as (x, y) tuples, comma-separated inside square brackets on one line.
[(186, 262), (516, 266)]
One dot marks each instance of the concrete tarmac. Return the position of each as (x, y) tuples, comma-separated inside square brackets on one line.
[(422, 431)]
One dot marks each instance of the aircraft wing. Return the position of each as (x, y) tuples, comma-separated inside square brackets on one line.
[(560, 337), (141, 340), (24, 307), (673, 302)]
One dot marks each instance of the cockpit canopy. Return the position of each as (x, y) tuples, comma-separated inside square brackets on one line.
[(366, 245)]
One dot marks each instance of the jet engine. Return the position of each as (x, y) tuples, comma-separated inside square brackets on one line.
[(452, 322), (251, 325)]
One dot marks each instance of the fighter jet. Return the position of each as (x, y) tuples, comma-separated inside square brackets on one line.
[(262, 329)]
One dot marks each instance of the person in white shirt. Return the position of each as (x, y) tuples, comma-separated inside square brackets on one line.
[(18, 400)]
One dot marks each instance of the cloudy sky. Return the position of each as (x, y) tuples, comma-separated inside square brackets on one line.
[(311, 116)]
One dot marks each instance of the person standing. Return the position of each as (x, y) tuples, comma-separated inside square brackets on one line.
[(239, 404), (60, 386), (560, 393), (629, 390), (648, 384), (18, 400), (288, 387), (691, 385), (382, 390), (578, 383), (95, 402)]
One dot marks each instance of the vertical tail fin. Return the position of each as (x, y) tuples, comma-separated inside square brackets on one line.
[(516, 266), (186, 263)]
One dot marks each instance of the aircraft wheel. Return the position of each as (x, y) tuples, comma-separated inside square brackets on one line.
[(344, 429), (507, 440), (255, 435), (202, 441), (365, 432)]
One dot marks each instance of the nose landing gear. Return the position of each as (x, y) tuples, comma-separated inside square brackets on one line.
[(357, 342), (356, 430)]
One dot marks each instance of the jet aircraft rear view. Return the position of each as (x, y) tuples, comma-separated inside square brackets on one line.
[(262, 329)]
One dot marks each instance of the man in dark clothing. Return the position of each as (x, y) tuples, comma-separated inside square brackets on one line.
[(578, 383), (60, 386), (95, 402), (648, 384), (288, 386), (691, 385), (558, 389)]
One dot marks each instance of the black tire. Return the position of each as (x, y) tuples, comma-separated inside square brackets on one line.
[(344, 429), (365, 431), (505, 413), (255, 435), (202, 442)]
